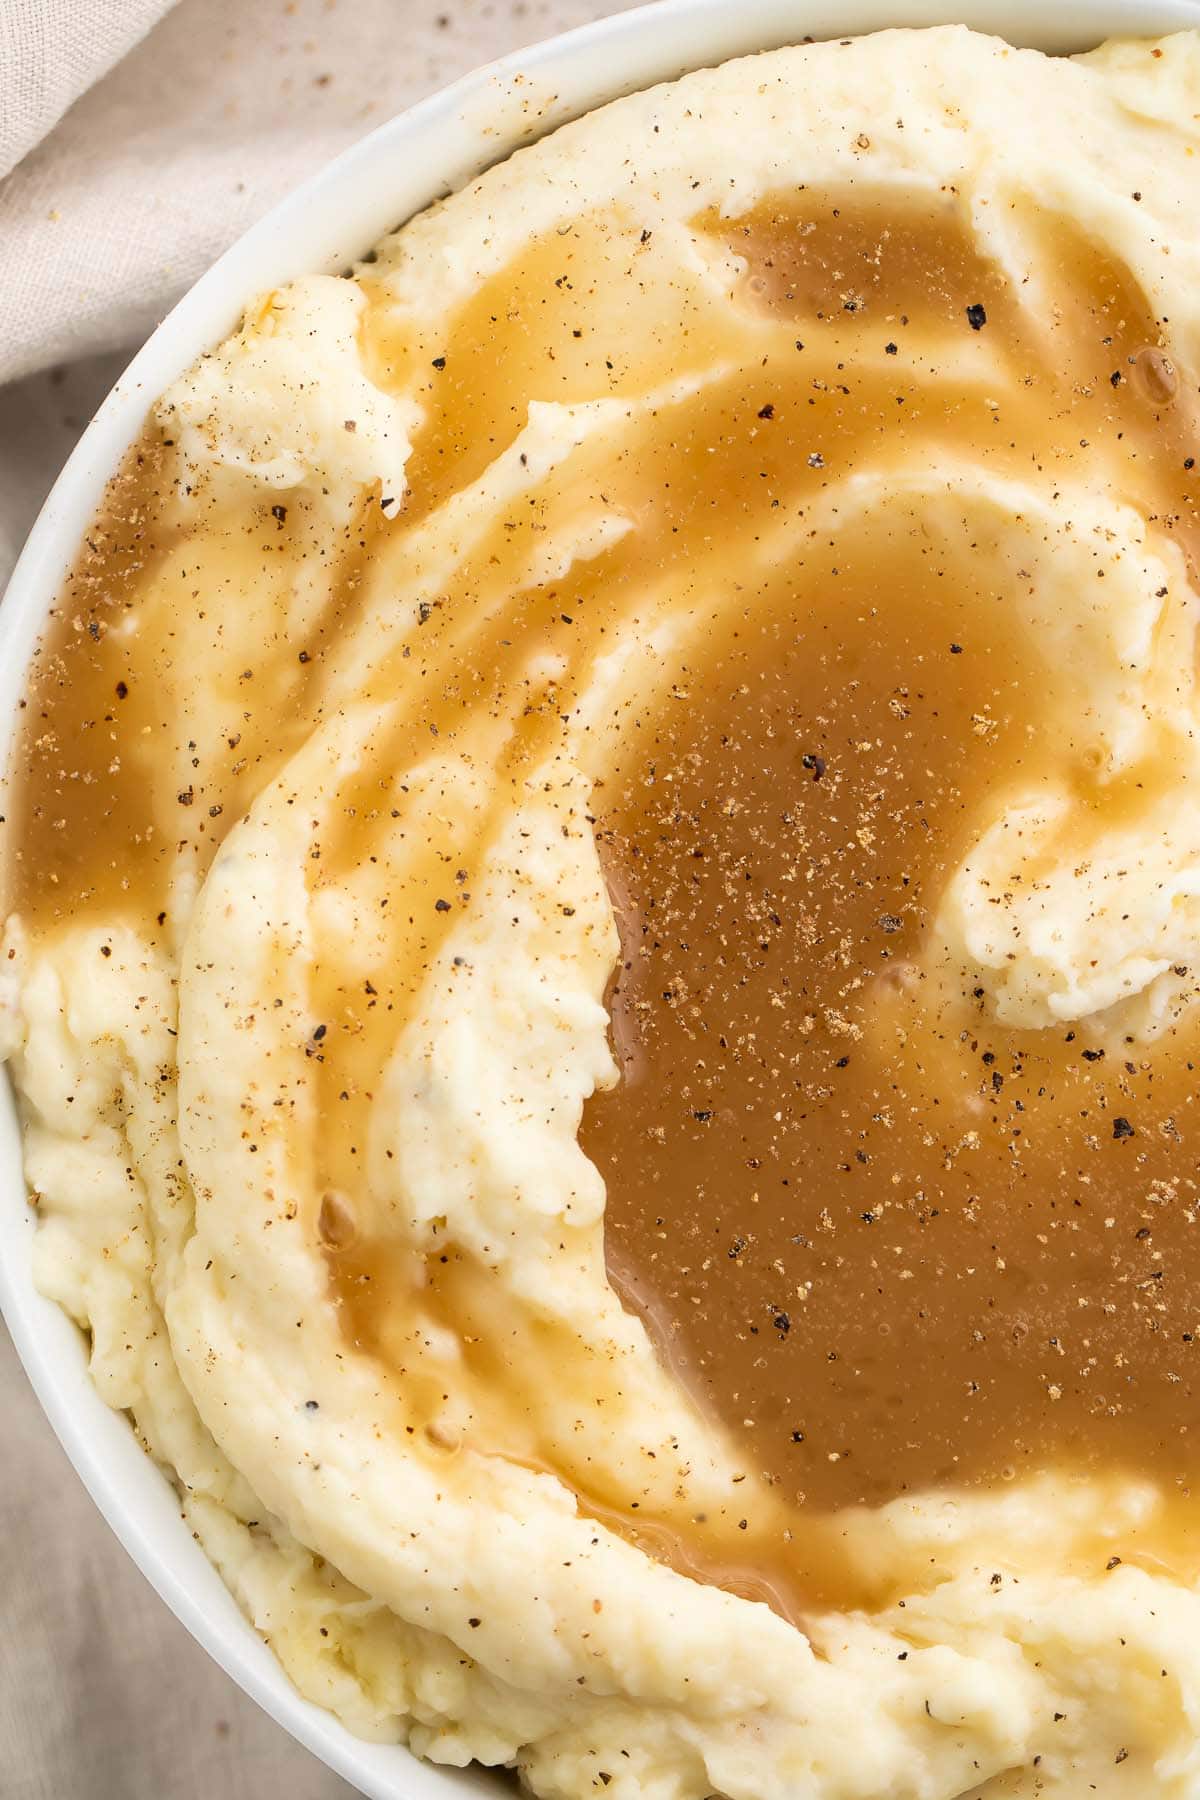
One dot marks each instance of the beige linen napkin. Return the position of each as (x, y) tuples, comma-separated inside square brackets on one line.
[(51, 51), (109, 208)]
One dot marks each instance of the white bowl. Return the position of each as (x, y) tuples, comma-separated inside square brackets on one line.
[(401, 167)]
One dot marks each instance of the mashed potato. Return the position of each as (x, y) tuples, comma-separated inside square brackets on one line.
[(372, 1018)]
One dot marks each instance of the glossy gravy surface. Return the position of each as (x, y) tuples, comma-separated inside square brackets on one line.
[(897, 1244)]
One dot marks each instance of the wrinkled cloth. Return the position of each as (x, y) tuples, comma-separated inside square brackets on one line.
[(51, 51), (180, 134)]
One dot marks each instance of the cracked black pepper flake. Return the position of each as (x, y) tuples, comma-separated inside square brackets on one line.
[(122, 690), (310, 1406), (891, 349), (703, 1114), (1122, 1128), (976, 315), (279, 512), (439, 362), (956, 650), (319, 1032), (441, 906), (767, 411), (810, 760), (186, 797), (736, 1248)]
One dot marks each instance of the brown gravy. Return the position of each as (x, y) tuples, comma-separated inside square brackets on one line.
[(892, 1242), (895, 1243)]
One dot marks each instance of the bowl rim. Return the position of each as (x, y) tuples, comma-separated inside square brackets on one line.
[(424, 152)]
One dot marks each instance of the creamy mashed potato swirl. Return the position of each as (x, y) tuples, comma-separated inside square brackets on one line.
[(408, 595)]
